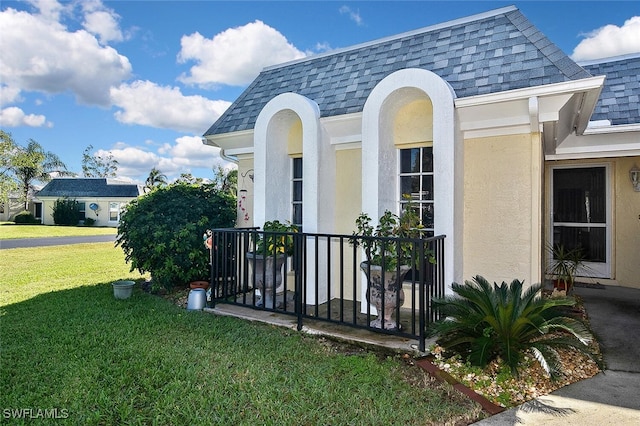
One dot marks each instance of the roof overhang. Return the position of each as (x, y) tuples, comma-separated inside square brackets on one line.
[(557, 110)]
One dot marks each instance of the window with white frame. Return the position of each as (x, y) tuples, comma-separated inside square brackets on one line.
[(296, 192), (416, 184), (114, 212)]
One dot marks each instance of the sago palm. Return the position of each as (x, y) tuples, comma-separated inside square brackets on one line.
[(483, 321)]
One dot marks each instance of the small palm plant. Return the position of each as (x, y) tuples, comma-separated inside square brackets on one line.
[(484, 322)]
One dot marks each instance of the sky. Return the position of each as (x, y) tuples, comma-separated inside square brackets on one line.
[(144, 80)]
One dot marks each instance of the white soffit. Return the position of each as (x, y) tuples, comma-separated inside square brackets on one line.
[(508, 112), (601, 144), (232, 141)]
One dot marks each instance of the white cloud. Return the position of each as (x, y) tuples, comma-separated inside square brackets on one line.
[(234, 56), (186, 154), (103, 24), (354, 15), (609, 41), (9, 95), (14, 117), (146, 103), (40, 54)]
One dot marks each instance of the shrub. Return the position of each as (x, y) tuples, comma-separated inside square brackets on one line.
[(483, 322), (88, 221), (26, 218), (66, 211), (162, 231)]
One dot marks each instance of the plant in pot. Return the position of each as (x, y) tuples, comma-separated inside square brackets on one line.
[(387, 260), (564, 265), (271, 249)]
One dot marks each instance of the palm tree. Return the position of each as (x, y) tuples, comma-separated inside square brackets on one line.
[(155, 178), (484, 321), (34, 164)]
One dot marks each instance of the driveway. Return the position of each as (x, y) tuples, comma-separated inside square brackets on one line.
[(612, 397), (54, 241)]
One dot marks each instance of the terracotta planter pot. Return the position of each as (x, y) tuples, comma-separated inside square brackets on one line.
[(199, 284)]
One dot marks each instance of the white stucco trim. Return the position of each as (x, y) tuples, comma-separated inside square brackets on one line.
[(379, 164), (270, 147)]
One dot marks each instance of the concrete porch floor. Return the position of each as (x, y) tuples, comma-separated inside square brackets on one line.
[(316, 327)]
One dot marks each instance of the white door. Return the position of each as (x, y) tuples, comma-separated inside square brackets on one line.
[(581, 215)]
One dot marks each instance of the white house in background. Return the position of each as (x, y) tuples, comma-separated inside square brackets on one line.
[(100, 199), (503, 141)]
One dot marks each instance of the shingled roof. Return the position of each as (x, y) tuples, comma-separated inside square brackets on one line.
[(620, 98), (88, 187), (486, 53)]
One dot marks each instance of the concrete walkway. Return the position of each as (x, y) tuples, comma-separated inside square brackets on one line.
[(610, 398)]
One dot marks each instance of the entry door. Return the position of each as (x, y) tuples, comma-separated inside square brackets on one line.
[(581, 215)]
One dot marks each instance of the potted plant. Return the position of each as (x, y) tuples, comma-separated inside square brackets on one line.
[(271, 249), (388, 261), (564, 265)]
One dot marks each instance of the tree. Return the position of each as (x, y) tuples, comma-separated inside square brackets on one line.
[(225, 180), (7, 150), (155, 179), (32, 164), (161, 233), (189, 179), (94, 165)]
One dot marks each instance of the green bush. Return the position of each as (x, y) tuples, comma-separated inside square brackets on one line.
[(88, 221), (66, 211), (483, 322), (161, 232), (26, 218)]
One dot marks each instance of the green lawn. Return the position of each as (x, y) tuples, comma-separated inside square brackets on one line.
[(9, 230), (68, 344)]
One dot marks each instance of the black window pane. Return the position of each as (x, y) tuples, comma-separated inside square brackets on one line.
[(427, 187), (427, 159), (297, 168), (592, 241), (410, 160), (579, 195), (297, 214), (297, 191), (427, 215)]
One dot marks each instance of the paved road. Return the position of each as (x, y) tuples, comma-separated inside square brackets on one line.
[(54, 241)]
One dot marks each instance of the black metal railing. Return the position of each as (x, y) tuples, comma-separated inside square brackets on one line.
[(321, 277)]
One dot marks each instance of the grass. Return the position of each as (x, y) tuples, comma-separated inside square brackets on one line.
[(9, 230), (68, 344)]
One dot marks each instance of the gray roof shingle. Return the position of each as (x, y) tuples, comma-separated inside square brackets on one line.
[(620, 97), (467, 53), (87, 187)]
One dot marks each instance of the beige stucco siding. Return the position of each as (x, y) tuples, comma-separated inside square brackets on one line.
[(627, 225), (244, 211), (499, 224), (101, 216)]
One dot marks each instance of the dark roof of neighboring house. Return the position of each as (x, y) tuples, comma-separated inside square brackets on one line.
[(620, 98), (486, 53), (87, 187)]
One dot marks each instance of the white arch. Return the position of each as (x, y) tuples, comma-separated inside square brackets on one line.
[(379, 156), (272, 198)]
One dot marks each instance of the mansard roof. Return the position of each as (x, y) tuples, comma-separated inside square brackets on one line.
[(491, 52)]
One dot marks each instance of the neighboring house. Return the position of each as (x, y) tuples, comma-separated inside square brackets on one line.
[(100, 199), (12, 205), (500, 138)]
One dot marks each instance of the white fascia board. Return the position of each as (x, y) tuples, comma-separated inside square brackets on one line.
[(230, 141), (620, 128), (343, 129), (567, 87), (598, 145)]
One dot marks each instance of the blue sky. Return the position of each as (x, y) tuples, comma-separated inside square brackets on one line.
[(144, 80)]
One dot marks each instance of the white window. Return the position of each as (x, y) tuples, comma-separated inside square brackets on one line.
[(296, 192), (416, 183), (114, 212)]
